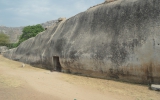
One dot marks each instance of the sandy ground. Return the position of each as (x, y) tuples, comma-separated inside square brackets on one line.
[(29, 83)]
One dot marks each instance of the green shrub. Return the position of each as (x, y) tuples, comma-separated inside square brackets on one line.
[(28, 32)]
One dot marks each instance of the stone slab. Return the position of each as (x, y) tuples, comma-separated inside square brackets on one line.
[(155, 87)]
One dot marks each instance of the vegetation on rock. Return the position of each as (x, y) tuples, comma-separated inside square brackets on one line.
[(28, 32)]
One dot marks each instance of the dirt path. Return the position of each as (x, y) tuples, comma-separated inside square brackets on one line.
[(29, 83)]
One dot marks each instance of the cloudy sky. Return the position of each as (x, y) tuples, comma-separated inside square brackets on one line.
[(15, 13)]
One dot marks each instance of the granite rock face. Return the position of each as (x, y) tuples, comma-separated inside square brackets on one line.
[(119, 40)]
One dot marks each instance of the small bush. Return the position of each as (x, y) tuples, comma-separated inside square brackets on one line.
[(28, 32)]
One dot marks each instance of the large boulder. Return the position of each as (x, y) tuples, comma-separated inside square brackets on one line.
[(118, 40), (61, 19)]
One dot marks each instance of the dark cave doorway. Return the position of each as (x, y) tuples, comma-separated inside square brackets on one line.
[(56, 64)]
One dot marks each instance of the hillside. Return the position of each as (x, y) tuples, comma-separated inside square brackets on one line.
[(12, 32), (15, 32)]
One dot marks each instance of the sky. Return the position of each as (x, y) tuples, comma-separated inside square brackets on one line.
[(16, 13)]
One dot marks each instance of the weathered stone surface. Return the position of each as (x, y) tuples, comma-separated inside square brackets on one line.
[(108, 1), (119, 40), (3, 49), (155, 87), (61, 19)]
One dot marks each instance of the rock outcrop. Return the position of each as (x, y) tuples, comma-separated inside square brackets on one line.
[(118, 40), (61, 19)]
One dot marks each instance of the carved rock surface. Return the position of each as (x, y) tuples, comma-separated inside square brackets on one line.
[(118, 40)]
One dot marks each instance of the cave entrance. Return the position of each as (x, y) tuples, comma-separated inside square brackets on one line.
[(56, 64)]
